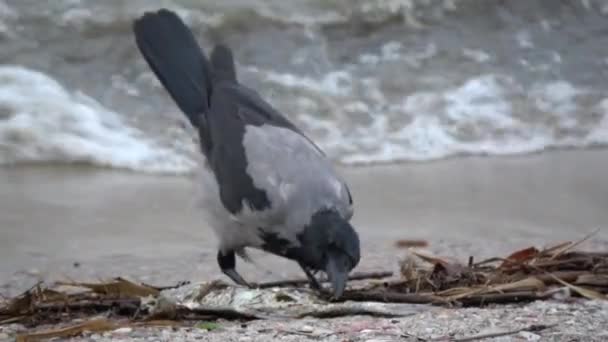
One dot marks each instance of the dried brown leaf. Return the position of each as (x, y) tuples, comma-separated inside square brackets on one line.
[(96, 325), (405, 243), (24, 302), (19, 305), (520, 256), (118, 287)]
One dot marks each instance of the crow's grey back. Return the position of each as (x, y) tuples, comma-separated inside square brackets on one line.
[(295, 175)]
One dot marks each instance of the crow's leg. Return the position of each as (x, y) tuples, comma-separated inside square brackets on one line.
[(227, 262), (314, 283)]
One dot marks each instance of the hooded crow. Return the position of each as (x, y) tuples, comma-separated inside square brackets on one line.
[(267, 185)]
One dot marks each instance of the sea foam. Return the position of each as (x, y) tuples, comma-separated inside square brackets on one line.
[(42, 121)]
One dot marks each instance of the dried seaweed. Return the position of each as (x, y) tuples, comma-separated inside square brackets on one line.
[(525, 275)]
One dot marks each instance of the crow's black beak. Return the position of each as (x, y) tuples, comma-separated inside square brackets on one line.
[(337, 270)]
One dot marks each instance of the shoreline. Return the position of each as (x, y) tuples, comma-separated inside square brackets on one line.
[(85, 223), (122, 223)]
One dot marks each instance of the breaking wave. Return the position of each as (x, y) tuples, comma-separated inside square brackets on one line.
[(371, 81), (41, 121)]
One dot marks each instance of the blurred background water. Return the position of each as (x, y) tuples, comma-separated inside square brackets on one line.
[(371, 81)]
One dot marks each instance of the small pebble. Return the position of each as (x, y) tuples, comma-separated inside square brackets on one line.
[(307, 329), (123, 330), (367, 331), (528, 336)]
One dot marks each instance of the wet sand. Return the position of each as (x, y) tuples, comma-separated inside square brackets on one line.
[(81, 222)]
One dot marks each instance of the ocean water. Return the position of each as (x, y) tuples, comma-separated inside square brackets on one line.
[(369, 81)]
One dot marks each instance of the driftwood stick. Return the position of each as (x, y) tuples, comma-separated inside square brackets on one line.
[(130, 306), (196, 313), (427, 298), (304, 281), (391, 297), (123, 305), (531, 328), (501, 298)]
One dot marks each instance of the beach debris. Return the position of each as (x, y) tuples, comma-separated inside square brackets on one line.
[(276, 302), (557, 272), (524, 275), (118, 287), (120, 297), (92, 326)]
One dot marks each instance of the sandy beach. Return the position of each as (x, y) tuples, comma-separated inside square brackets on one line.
[(81, 222)]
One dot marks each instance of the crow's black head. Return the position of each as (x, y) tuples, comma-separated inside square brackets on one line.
[(331, 244), (328, 243)]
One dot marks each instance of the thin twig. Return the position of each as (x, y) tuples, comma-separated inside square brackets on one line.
[(531, 328), (391, 297), (572, 245), (168, 287), (304, 281), (550, 278), (487, 261), (563, 262)]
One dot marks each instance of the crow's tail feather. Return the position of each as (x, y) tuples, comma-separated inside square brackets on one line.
[(178, 61)]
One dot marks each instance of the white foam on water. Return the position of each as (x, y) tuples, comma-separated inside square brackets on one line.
[(333, 83), (475, 118), (41, 121), (488, 114)]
